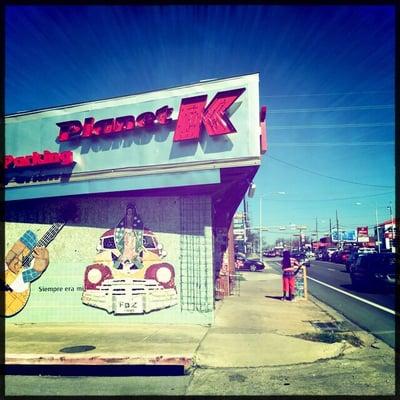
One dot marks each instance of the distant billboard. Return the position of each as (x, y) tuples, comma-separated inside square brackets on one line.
[(362, 231), (362, 234), (344, 236)]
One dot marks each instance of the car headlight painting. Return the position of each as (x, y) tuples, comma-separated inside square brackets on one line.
[(94, 275), (163, 275)]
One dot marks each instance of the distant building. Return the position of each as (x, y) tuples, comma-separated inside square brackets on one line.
[(385, 233)]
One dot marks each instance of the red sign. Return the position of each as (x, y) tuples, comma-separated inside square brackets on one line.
[(362, 231), (263, 125), (37, 159), (193, 115)]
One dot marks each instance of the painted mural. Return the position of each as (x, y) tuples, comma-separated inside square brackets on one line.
[(25, 262), (157, 249), (129, 274)]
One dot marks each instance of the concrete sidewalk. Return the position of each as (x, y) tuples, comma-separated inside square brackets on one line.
[(252, 329)]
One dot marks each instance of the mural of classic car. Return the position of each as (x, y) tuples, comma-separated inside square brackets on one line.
[(130, 291)]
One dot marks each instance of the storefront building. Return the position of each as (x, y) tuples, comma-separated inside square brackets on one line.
[(385, 234), (131, 200)]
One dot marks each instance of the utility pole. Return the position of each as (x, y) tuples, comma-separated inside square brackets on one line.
[(246, 210), (377, 229), (391, 241), (316, 229), (245, 223), (330, 230), (337, 228)]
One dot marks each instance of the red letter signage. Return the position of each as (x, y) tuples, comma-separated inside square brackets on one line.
[(214, 117), (193, 116), (37, 159), (189, 119)]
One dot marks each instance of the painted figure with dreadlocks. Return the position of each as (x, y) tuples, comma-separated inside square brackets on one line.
[(128, 237)]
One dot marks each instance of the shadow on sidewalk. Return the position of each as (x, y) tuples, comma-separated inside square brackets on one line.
[(274, 297)]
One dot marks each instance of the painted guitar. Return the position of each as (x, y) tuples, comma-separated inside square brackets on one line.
[(18, 271)]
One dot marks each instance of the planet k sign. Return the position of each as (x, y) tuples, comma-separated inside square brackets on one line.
[(192, 116), (177, 136)]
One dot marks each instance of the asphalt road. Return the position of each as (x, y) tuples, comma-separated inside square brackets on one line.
[(331, 284)]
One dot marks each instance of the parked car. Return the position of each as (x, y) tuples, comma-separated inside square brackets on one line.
[(375, 271), (248, 263), (270, 253), (301, 257)]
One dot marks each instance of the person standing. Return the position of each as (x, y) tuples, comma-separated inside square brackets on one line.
[(288, 272)]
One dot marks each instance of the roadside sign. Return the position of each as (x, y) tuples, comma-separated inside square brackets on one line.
[(301, 283)]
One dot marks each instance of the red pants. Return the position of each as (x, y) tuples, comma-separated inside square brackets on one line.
[(288, 284)]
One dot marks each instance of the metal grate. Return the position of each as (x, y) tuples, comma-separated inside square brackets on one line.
[(195, 267), (237, 277)]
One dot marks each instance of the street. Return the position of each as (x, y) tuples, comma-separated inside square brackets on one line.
[(330, 283)]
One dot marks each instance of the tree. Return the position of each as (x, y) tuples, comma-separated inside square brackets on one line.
[(253, 240)]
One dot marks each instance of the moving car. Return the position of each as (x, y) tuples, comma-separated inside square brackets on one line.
[(352, 259), (301, 257), (321, 254), (374, 271), (248, 263), (329, 252), (366, 250), (310, 255), (340, 256)]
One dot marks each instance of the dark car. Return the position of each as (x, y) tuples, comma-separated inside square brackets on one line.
[(340, 256), (321, 254), (335, 256), (301, 257), (270, 253), (248, 263), (352, 259), (374, 271)]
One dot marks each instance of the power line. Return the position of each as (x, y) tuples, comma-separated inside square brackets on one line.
[(337, 199), (331, 144), (329, 94), (326, 176), (329, 126), (328, 109)]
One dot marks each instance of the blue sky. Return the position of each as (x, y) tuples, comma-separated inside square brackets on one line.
[(326, 76)]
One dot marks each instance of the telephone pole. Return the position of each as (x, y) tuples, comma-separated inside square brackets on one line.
[(377, 228), (337, 228), (245, 222)]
